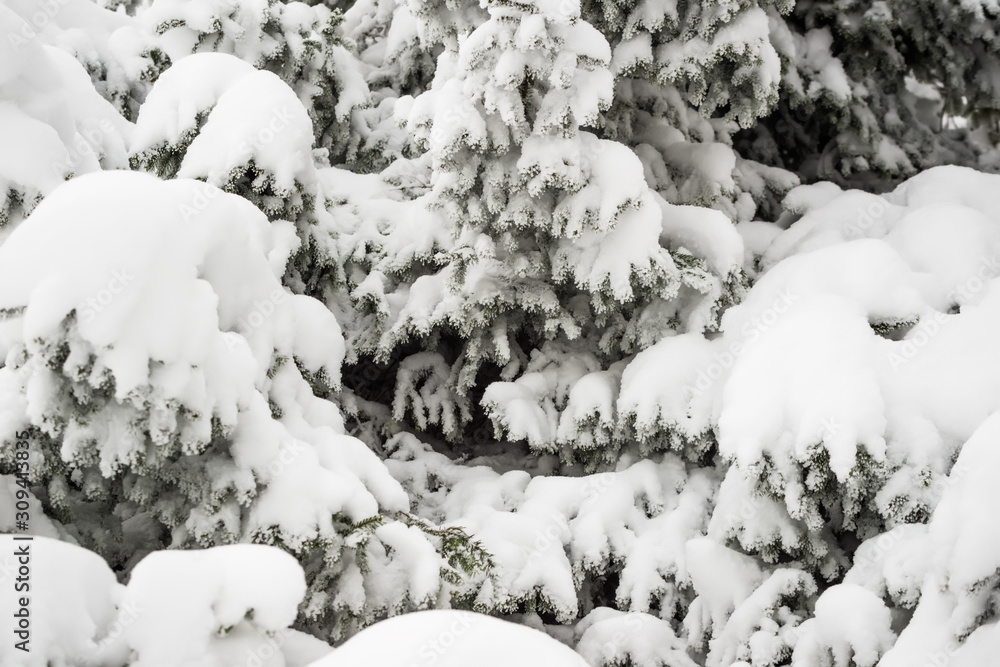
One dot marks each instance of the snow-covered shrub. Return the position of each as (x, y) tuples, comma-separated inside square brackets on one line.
[(300, 43), (557, 237), (213, 117), (217, 607), (838, 402), (874, 92), (844, 402), (742, 611), (821, 376), (118, 54), (851, 626), (53, 124), (562, 545), (73, 597), (959, 577), (171, 382)]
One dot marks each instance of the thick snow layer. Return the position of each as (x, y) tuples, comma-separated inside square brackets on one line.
[(450, 639), (980, 648), (555, 376), (945, 241), (710, 234), (757, 236), (192, 86), (296, 41), (850, 624), (962, 552), (893, 564), (218, 607), (275, 135), (880, 282), (803, 198), (53, 123), (72, 594), (148, 284), (611, 637), (231, 115), (756, 521), (792, 412), (753, 626), (620, 261), (721, 577), (652, 406), (820, 364), (174, 293), (891, 356), (949, 185), (830, 218), (111, 46), (210, 607), (966, 538)]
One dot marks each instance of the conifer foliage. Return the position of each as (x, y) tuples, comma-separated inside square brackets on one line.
[(666, 328)]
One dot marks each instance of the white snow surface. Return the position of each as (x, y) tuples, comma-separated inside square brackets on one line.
[(608, 636), (164, 285), (802, 365), (249, 116), (211, 607), (851, 625), (449, 638), (73, 596), (53, 123), (216, 607), (864, 353), (175, 290)]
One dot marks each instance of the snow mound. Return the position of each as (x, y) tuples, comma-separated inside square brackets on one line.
[(223, 115), (611, 637), (212, 607), (219, 607), (851, 625), (450, 639), (73, 597), (151, 289), (53, 123)]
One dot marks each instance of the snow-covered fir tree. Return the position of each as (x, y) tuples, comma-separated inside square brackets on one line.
[(409, 313), (561, 259), (873, 92)]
